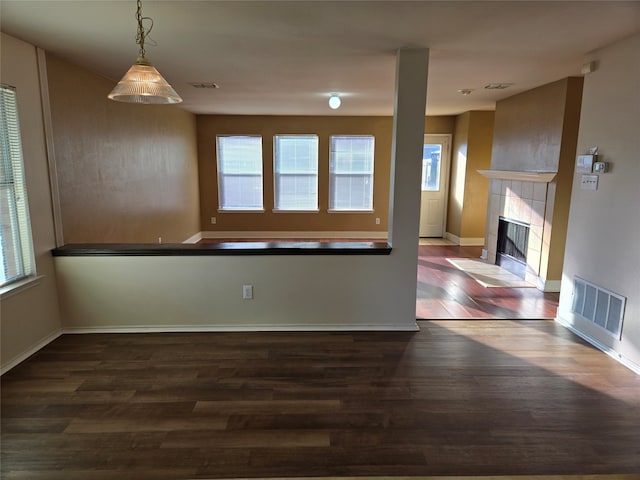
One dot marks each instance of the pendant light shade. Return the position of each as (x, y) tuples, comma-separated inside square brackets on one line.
[(143, 84)]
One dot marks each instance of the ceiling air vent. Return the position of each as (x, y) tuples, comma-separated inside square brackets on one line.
[(497, 86), (204, 85)]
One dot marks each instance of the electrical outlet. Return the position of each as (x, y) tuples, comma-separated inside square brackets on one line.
[(213, 220), (377, 220), (247, 292)]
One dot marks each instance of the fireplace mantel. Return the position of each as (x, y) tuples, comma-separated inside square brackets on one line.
[(541, 177)]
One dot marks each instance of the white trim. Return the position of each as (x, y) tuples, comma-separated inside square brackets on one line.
[(20, 286), (548, 285), (333, 210), (194, 238), (306, 234), (241, 210), (244, 328), (29, 351), (284, 210), (465, 241), (634, 367), (540, 177), (49, 145)]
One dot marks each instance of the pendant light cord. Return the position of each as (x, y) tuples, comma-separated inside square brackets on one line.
[(142, 33)]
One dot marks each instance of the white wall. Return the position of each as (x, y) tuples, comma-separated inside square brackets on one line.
[(604, 226), (30, 317)]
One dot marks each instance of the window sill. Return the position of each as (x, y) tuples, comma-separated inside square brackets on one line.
[(231, 210), (20, 286), (350, 211), (276, 210)]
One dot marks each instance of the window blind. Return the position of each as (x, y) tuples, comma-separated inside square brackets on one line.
[(16, 250), (351, 173), (239, 172), (296, 172)]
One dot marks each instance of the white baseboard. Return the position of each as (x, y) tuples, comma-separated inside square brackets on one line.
[(306, 234), (465, 241), (548, 285), (244, 328), (29, 351), (194, 238), (634, 367)]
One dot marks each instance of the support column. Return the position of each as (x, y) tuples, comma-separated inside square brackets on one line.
[(406, 167)]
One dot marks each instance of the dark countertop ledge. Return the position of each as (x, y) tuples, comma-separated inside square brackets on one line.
[(224, 248)]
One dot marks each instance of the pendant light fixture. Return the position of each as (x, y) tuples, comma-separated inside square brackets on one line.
[(143, 83)]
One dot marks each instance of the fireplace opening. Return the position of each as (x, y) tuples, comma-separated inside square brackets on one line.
[(511, 250)]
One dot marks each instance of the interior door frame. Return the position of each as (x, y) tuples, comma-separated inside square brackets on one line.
[(446, 139)]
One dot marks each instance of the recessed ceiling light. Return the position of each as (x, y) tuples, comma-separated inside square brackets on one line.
[(465, 91), (204, 85), (334, 101), (497, 86)]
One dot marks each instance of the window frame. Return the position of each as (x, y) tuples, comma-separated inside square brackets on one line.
[(277, 174), (333, 174), (13, 184), (221, 175)]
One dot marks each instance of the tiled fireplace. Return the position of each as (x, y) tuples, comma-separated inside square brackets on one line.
[(527, 201)]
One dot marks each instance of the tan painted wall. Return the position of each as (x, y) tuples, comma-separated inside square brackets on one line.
[(30, 317), (480, 140), (528, 129), (468, 190), (381, 127), (604, 225), (537, 131), (459, 152), (127, 173), (561, 188)]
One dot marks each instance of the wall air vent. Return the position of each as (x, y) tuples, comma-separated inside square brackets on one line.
[(599, 306)]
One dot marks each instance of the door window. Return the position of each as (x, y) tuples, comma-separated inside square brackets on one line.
[(431, 155)]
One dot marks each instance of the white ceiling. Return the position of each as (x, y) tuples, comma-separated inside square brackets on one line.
[(286, 57)]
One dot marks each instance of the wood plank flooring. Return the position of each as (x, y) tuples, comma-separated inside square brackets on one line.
[(457, 398), (445, 292)]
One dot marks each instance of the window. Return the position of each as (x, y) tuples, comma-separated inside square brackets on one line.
[(351, 173), (240, 172), (431, 154), (296, 172), (16, 255)]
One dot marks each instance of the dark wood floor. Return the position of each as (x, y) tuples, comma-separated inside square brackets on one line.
[(457, 398), (446, 292)]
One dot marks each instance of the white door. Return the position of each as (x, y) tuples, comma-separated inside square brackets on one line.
[(435, 179)]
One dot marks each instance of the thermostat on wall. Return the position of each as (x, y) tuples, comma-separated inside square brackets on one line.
[(585, 163)]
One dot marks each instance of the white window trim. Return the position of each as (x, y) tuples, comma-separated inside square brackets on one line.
[(241, 210), (330, 210), (19, 286), (278, 210)]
